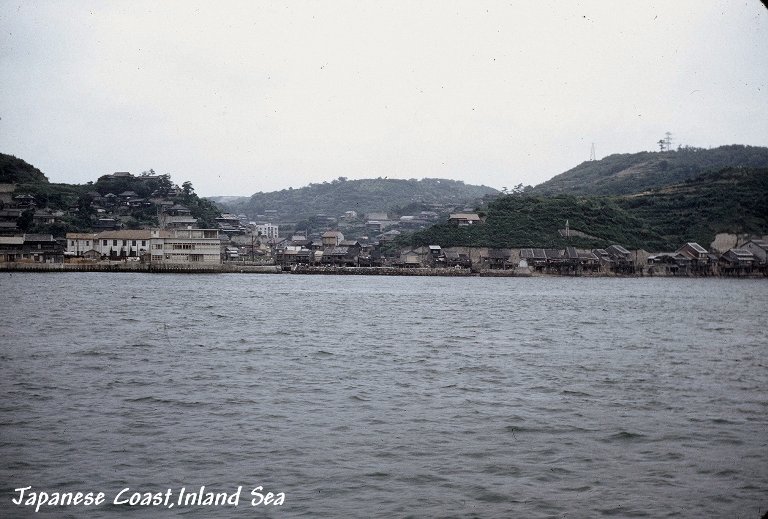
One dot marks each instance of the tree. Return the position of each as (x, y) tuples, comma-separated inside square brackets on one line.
[(187, 188), (26, 220)]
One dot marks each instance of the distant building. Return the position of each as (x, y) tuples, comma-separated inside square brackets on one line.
[(79, 243), (737, 261), (122, 244), (266, 230), (332, 238), (759, 249), (464, 219), (196, 246), (37, 248)]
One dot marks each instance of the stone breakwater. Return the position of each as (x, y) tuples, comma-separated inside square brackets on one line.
[(139, 267), (234, 268)]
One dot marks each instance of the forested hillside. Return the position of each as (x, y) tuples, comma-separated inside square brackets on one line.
[(364, 196), (730, 200), (631, 173)]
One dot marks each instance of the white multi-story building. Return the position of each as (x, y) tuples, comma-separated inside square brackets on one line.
[(186, 246), (129, 243), (109, 243), (78, 243), (171, 246), (266, 230)]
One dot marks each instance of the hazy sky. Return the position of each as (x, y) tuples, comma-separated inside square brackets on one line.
[(240, 97)]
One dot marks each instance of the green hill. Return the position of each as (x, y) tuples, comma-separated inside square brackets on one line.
[(730, 200), (363, 196), (16, 171), (638, 172), (733, 200)]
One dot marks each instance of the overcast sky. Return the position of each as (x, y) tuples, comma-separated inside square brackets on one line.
[(241, 97)]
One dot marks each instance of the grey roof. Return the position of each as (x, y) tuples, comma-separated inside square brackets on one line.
[(619, 249), (498, 254), (38, 237), (338, 251), (760, 243), (698, 248)]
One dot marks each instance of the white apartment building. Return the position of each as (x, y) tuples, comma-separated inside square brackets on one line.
[(186, 246), (266, 230), (113, 244), (78, 243), (128, 243), (171, 246)]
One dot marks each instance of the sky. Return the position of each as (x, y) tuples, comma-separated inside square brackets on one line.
[(242, 97)]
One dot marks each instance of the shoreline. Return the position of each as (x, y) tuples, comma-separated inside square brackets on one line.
[(230, 268)]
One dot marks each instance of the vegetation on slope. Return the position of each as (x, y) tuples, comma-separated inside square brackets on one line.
[(364, 196), (733, 200), (531, 221), (625, 174), (730, 200), (14, 170), (77, 202)]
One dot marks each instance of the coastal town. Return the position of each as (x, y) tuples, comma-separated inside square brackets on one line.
[(235, 243)]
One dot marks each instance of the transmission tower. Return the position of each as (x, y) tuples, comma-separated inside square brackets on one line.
[(668, 141), (592, 153)]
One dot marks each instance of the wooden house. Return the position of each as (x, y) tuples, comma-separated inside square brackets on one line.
[(464, 219), (737, 262)]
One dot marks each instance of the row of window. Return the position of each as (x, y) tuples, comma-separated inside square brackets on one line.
[(191, 257), (125, 242)]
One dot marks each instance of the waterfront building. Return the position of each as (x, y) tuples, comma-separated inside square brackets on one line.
[(78, 243), (198, 246)]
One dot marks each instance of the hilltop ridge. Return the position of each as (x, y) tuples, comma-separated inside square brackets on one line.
[(363, 196), (631, 173)]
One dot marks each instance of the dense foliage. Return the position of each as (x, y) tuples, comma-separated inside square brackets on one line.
[(730, 200), (364, 196), (16, 171), (733, 200), (530, 221), (77, 200), (637, 172)]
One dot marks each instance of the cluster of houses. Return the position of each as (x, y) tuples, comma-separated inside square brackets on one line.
[(691, 259), (178, 240)]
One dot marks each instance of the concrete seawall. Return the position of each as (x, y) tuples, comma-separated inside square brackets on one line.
[(139, 267), (233, 268)]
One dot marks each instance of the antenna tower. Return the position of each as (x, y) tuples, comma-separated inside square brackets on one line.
[(592, 153)]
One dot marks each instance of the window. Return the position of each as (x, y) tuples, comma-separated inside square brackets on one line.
[(114, 243), (105, 243), (72, 243), (125, 242), (133, 243), (143, 243), (87, 243)]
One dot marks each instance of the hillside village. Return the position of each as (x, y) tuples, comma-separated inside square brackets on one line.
[(147, 220), (179, 240)]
